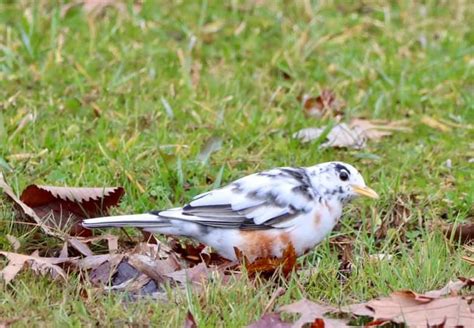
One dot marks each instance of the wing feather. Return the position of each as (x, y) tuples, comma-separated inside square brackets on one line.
[(269, 199)]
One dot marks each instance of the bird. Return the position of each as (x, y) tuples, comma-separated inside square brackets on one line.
[(259, 214)]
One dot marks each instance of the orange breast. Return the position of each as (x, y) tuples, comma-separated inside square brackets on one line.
[(261, 243)]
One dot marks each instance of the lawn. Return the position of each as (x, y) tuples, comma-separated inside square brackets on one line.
[(129, 96)]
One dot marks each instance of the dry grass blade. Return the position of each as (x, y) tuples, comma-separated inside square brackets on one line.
[(468, 259), (435, 124)]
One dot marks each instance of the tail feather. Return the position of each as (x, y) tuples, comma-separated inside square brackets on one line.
[(146, 220)]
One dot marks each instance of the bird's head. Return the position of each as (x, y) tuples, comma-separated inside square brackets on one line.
[(341, 181)]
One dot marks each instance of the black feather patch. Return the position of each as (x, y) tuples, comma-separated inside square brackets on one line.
[(340, 167)]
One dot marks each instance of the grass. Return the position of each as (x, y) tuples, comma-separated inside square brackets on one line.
[(130, 98)]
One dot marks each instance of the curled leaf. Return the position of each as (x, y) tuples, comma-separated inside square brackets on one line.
[(63, 208), (39, 265), (326, 104), (352, 135)]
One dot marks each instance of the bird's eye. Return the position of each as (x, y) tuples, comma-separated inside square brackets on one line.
[(344, 176)]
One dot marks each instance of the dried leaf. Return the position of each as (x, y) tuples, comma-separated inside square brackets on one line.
[(189, 322), (155, 269), (197, 275), (451, 288), (403, 307), (460, 232), (196, 254), (326, 104), (80, 246), (64, 252), (420, 310), (270, 320), (25, 209), (63, 207), (311, 311), (341, 135), (39, 265), (352, 135), (92, 262), (80, 243)]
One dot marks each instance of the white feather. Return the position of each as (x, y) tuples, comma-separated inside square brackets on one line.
[(134, 220)]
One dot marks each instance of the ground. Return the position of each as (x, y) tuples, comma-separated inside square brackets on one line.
[(129, 96)]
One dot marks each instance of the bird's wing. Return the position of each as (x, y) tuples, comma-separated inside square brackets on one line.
[(263, 200)]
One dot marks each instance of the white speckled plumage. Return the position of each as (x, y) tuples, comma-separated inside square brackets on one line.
[(261, 213)]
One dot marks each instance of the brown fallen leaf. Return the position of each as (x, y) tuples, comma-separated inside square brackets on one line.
[(101, 267), (352, 135), (463, 233), (141, 271), (452, 288), (195, 254), (340, 136), (25, 209), (311, 311), (63, 208), (270, 320), (80, 243), (326, 104), (403, 307), (197, 275), (39, 265), (190, 322), (155, 269), (420, 310)]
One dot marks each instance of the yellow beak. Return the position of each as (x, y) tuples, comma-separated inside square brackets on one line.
[(365, 191)]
